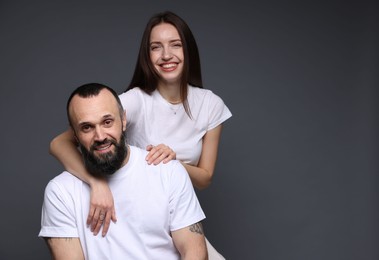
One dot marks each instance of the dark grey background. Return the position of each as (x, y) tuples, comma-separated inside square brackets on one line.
[(297, 175)]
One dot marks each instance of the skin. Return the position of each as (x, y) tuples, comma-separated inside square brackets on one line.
[(65, 248), (98, 119), (166, 54), (190, 242)]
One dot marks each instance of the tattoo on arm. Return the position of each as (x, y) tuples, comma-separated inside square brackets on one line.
[(197, 228)]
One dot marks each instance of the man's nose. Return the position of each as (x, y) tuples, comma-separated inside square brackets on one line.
[(99, 134)]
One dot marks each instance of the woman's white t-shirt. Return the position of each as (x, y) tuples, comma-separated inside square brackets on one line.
[(153, 120)]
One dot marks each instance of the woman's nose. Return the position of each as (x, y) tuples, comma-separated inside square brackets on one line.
[(166, 55)]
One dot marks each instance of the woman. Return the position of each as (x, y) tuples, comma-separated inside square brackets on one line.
[(165, 104)]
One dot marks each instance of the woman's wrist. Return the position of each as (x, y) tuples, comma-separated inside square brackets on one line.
[(93, 181)]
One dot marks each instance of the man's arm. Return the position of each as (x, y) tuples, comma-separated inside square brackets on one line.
[(190, 242), (62, 248)]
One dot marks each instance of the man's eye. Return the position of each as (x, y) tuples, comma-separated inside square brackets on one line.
[(86, 128), (108, 122)]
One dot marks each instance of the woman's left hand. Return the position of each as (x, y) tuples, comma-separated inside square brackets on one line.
[(159, 153)]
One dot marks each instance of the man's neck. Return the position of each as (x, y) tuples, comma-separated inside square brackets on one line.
[(126, 160)]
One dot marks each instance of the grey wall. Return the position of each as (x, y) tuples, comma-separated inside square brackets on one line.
[(297, 175)]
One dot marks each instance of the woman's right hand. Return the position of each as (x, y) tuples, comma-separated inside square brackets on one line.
[(159, 153), (102, 209)]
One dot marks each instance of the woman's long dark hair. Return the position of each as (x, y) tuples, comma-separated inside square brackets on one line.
[(145, 76)]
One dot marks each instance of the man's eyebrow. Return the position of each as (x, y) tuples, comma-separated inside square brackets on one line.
[(107, 116), (84, 123)]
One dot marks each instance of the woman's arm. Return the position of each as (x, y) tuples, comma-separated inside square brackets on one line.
[(63, 148), (201, 175)]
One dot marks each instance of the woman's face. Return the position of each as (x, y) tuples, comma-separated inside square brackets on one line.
[(166, 53)]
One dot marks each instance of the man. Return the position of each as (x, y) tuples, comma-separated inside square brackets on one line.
[(158, 212)]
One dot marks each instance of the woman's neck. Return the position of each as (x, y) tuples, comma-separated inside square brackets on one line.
[(170, 92)]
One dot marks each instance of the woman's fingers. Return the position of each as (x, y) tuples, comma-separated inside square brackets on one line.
[(159, 153), (102, 209)]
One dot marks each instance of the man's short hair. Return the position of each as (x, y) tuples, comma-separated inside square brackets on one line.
[(92, 90)]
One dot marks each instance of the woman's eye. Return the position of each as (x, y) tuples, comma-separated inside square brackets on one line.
[(154, 47), (177, 45)]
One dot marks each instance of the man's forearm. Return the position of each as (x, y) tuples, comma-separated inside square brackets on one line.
[(190, 242), (62, 248)]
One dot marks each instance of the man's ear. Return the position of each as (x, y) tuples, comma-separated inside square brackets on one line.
[(74, 134), (124, 121)]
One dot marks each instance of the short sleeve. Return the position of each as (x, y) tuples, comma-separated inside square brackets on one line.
[(218, 111), (184, 206), (58, 215)]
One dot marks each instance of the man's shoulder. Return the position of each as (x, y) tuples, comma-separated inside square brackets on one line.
[(63, 182), (65, 177), (171, 167)]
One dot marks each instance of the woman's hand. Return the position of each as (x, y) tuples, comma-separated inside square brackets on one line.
[(159, 153), (102, 209)]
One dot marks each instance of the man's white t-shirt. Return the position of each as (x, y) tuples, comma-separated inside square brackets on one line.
[(153, 120), (150, 201)]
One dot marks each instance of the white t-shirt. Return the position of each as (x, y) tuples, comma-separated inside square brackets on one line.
[(150, 201), (153, 120)]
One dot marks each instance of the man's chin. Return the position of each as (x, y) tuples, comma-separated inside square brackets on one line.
[(103, 156)]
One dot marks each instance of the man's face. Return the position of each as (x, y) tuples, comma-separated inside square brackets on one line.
[(100, 131)]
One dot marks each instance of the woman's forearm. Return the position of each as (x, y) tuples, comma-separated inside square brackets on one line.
[(200, 178), (202, 174), (63, 148)]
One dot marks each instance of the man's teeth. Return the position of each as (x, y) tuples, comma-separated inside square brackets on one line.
[(100, 148)]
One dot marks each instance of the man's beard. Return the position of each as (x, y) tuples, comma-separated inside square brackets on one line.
[(108, 163)]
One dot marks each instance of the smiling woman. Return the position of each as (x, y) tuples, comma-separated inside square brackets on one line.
[(166, 54)]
